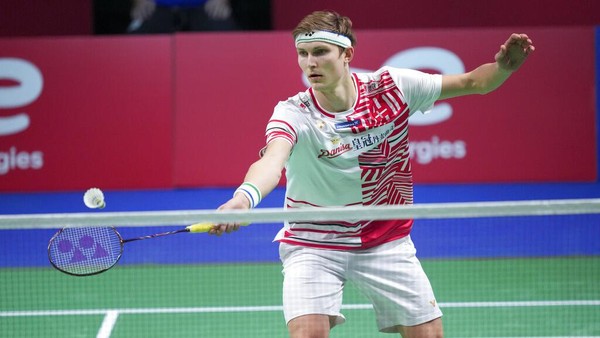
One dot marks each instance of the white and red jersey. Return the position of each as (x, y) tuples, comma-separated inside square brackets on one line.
[(356, 157)]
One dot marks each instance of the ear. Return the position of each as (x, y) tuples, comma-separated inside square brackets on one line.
[(348, 54)]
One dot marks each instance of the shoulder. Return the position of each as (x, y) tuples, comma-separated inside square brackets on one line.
[(406, 74), (295, 103), (411, 78), (387, 71), (397, 75)]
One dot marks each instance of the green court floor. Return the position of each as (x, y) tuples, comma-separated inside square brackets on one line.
[(539, 297)]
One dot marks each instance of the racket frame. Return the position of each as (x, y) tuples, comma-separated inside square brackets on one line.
[(201, 227), (51, 242)]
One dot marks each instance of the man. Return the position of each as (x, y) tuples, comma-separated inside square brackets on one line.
[(344, 142)]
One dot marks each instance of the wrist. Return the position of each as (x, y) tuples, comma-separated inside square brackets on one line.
[(250, 192), (503, 70)]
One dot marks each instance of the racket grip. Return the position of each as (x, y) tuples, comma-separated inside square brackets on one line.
[(204, 227), (200, 227)]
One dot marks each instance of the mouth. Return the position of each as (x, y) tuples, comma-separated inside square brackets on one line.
[(314, 76)]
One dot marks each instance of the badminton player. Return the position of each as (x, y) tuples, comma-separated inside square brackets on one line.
[(344, 142)]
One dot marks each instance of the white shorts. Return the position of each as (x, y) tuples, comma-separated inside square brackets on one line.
[(389, 275)]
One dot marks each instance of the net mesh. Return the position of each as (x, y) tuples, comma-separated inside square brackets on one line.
[(533, 274)]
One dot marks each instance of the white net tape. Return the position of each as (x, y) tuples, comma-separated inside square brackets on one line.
[(272, 215)]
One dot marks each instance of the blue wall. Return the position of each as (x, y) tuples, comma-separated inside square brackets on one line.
[(488, 237)]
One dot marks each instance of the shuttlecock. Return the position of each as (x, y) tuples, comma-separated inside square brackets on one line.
[(94, 199)]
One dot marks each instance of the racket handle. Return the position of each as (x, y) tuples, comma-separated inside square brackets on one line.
[(204, 227), (200, 227)]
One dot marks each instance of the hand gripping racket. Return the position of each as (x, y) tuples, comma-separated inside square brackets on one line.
[(91, 250)]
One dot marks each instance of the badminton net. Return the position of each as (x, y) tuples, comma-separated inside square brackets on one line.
[(499, 269)]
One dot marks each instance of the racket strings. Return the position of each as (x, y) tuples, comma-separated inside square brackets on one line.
[(85, 251)]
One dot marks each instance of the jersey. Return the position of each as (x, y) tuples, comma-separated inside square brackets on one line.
[(357, 157)]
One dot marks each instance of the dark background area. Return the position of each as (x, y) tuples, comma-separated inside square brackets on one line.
[(86, 17)]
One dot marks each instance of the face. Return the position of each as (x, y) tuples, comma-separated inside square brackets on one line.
[(323, 64)]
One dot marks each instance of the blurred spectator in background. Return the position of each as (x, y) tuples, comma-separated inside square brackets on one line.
[(169, 16)]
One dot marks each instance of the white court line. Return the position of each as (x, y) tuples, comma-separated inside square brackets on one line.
[(111, 315), (272, 308), (35, 313), (110, 319)]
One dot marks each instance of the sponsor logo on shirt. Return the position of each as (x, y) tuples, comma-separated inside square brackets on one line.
[(349, 124), (335, 152)]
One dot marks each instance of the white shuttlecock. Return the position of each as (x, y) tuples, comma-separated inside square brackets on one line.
[(94, 199)]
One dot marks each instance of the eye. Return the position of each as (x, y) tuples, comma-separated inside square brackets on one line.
[(319, 52), (302, 53)]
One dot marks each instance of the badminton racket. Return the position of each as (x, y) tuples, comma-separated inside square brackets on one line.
[(87, 251)]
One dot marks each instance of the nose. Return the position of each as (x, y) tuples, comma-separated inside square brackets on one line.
[(311, 61)]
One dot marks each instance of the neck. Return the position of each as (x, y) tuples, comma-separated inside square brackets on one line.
[(340, 98)]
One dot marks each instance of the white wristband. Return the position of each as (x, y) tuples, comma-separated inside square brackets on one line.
[(251, 192)]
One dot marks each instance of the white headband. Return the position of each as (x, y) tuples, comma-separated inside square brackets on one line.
[(324, 36)]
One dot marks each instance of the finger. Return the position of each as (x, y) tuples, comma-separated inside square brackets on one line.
[(217, 230), (503, 50), (501, 53), (511, 39), (223, 228), (232, 227), (524, 41), (521, 40)]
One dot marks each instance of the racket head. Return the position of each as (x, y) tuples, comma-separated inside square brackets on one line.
[(85, 251)]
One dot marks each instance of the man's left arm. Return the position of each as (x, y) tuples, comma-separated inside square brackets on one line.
[(489, 76)]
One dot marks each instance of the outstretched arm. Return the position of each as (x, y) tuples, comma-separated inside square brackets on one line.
[(489, 76), (265, 174)]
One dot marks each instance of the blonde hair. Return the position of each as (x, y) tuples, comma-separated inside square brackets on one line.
[(326, 21)]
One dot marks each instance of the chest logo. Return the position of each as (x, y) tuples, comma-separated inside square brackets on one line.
[(349, 124), (335, 152)]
